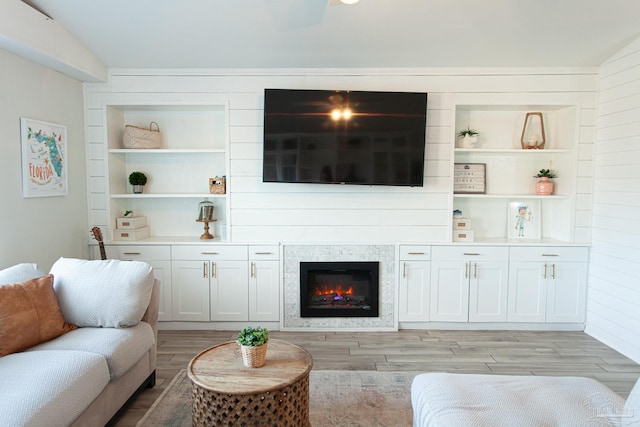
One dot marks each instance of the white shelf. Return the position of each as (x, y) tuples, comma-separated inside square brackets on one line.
[(166, 195), (166, 151), (510, 151), (509, 196)]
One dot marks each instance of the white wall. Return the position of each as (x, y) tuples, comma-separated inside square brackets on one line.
[(40, 229), (299, 212), (613, 315)]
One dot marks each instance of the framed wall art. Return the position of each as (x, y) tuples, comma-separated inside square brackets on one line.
[(523, 219), (469, 178), (44, 158)]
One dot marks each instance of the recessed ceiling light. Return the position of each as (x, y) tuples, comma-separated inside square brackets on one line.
[(349, 1)]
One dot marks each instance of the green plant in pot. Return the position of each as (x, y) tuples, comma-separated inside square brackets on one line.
[(469, 137), (137, 180), (253, 342), (545, 186)]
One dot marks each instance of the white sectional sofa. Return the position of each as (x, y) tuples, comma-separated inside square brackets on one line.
[(448, 399), (84, 376)]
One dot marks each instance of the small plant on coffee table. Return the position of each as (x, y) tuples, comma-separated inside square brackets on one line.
[(253, 343), (253, 337)]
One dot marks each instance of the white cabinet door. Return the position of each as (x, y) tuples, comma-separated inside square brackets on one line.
[(449, 300), (566, 292), (527, 292), (162, 272), (488, 286), (190, 290), (229, 291), (413, 292), (264, 291)]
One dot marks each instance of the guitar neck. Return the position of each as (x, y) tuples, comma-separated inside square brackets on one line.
[(97, 234), (103, 253)]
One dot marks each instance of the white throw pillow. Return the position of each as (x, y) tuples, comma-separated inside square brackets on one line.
[(110, 293), (20, 273)]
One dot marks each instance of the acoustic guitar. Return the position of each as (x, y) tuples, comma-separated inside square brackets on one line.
[(97, 234)]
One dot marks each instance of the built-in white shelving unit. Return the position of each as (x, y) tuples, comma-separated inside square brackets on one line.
[(510, 169), (194, 147)]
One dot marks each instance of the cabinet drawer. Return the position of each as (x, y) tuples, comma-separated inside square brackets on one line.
[(417, 252), (209, 252), (549, 253), (480, 253), (135, 252), (266, 252)]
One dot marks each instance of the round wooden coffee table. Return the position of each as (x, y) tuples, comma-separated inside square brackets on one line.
[(225, 392)]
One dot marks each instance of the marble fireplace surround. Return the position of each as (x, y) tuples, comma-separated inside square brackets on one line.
[(384, 254)]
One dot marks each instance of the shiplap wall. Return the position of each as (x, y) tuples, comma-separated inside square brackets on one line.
[(613, 315), (306, 212)]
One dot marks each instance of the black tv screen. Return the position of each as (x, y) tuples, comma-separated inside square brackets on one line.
[(344, 137)]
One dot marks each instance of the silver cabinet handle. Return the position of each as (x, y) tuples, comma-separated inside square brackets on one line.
[(205, 266), (550, 255), (209, 253), (475, 270), (544, 272), (466, 270), (471, 253), (253, 269), (263, 253), (404, 270), (416, 253), (553, 271), (131, 253), (214, 270)]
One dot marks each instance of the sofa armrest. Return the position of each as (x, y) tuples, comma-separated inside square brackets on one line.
[(151, 314)]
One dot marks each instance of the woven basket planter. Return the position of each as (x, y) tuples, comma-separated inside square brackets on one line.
[(136, 137), (254, 356)]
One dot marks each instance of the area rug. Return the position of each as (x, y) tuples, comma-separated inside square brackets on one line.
[(336, 398)]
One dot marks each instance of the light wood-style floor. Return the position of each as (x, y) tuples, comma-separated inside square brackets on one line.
[(486, 352)]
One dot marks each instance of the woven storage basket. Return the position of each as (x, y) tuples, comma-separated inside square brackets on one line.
[(254, 356), (217, 185), (136, 137)]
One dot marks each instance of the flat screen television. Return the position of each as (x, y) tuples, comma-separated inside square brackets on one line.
[(344, 137)]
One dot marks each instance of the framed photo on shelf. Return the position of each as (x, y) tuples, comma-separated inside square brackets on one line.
[(523, 219), (44, 158), (469, 178)]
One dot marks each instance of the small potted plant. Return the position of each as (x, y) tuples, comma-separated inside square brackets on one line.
[(469, 137), (137, 180), (253, 342), (545, 186)]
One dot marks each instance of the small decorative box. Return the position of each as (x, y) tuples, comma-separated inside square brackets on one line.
[(131, 234), (131, 222), (463, 236), (461, 223), (217, 185)]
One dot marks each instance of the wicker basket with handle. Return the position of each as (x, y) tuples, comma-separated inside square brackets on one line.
[(137, 137)]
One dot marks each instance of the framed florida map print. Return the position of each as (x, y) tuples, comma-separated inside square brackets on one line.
[(44, 158)]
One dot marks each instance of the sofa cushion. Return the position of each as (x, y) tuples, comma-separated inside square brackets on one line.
[(29, 314), (110, 293), (446, 399), (632, 405), (49, 388), (121, 347), (20, 273)]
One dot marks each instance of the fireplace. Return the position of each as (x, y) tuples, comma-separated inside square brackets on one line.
[(339, 289)]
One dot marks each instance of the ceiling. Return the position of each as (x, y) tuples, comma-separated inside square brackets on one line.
[(372, 33)]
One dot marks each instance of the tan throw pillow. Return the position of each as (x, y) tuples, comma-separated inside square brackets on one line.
[(29, 315)]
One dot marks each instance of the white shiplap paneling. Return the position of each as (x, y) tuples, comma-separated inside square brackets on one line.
[(278, 212), (613, 314)]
